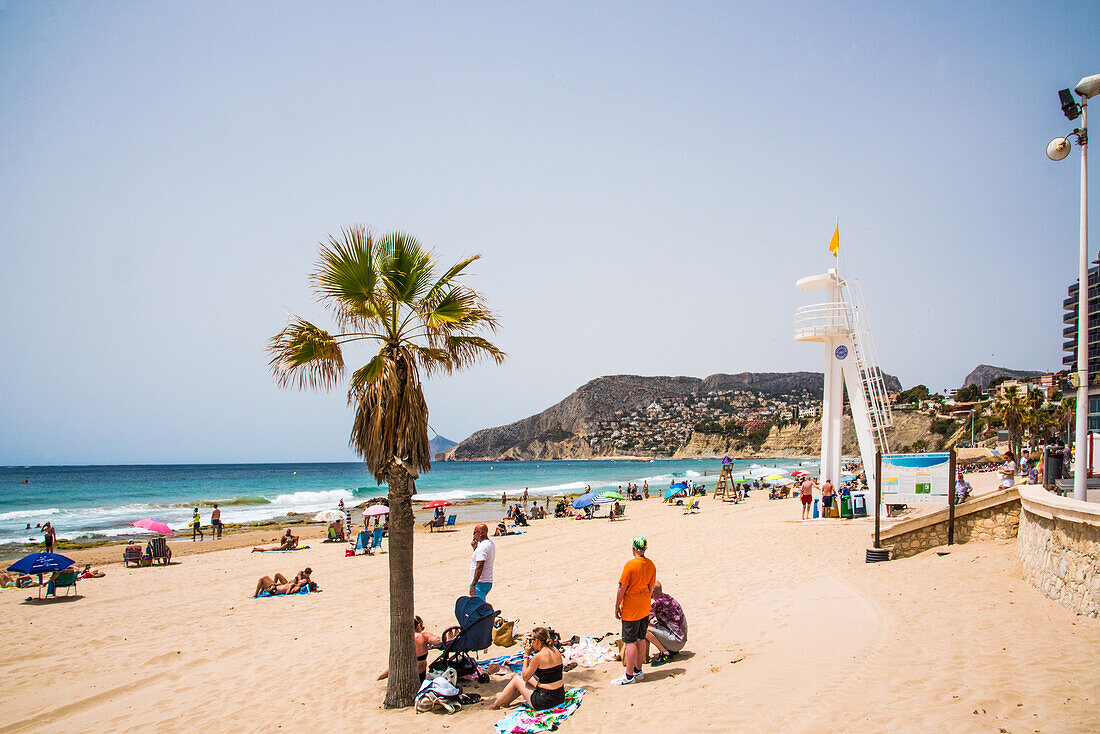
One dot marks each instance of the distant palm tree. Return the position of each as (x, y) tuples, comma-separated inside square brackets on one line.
[(1010, 408), (1064, 415), (385, 292)]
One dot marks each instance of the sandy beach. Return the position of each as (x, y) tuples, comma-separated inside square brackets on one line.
[(790, 630)]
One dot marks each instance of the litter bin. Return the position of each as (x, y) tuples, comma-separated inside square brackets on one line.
[(859, 505), (845, 506)]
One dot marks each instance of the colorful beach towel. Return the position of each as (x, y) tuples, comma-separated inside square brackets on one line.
[(303, 590), (512, 662), (524, 720)]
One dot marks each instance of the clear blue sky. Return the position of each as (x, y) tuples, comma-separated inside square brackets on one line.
[(646, 181)]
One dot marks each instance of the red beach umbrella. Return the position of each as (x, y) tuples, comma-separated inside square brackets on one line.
[(798, 474), (434, 504), (155, 525)]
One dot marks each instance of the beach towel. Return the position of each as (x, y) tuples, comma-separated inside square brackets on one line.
[(524, 720), (512, 662), (587, 653), (303, 590)]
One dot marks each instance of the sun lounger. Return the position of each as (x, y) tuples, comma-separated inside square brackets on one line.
[(376, 539), (131, 554), (160, 552), (692, 506), (451, 521), (65, 580)]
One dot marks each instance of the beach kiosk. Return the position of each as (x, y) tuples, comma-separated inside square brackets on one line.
[(840, 323)]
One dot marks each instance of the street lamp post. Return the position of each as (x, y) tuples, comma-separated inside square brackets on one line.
[(1057, 150)]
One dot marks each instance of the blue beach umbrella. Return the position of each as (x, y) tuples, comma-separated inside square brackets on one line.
[(584, 501), (40, 563), (672, 492), (678, 485)]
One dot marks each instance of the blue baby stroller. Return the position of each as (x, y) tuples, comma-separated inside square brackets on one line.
[(473, 633)]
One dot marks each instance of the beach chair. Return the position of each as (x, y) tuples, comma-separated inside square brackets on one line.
[(362, 542), (437, 523), (376, 539), (159, 550), (692, 506), (131, 554), (66, 580), (451, 521)]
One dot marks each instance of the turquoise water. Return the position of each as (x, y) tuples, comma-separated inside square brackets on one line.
[(104, 500)]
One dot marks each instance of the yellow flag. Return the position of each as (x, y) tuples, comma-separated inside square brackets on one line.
[(834, 243)]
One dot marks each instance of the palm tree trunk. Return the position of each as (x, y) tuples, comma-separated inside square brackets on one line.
[(403, 682)]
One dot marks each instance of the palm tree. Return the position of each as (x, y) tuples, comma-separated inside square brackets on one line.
[(1010, 408), (1064, 414), (385, 292)]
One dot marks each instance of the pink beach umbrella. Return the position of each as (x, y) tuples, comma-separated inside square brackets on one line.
[(374, 510), (155, 525)]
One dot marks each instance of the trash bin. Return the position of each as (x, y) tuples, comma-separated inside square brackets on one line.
[(845, 507), (816, 513), (859, 505)]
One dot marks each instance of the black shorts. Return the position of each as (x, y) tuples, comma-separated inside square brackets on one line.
[(542, 699), (827, 501), (635, 629)]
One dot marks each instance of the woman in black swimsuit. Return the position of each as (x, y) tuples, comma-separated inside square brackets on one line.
[(540, 683), (423, 641)]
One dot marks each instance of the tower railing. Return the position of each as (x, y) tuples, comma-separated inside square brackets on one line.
[(870, 374), (821, 320)]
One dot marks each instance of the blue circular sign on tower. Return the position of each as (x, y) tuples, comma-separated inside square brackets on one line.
[(841, 352)]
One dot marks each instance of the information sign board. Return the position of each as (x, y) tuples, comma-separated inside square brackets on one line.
[(910, 479)]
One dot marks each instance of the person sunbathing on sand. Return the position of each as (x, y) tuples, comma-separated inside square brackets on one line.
[(278, 585), (423, 641), (90, 573), (287, 542)]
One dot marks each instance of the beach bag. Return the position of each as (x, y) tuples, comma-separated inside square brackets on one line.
[(503, 630)]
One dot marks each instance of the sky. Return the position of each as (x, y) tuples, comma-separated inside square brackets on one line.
[(645, 183)]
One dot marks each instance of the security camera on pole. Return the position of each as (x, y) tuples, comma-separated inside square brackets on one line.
[(1057, 150)]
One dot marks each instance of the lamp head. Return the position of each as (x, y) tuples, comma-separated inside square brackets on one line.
[(1058, 149), (1070, 108), (1089, 86)]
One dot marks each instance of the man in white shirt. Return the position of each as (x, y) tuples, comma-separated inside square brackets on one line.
[(481, 562)]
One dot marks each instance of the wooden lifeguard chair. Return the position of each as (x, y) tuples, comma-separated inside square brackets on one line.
[(725, 482)]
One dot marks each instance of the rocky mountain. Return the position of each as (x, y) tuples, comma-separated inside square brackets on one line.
[(984, 374), (439, 443), (562, 431), (794, 440)]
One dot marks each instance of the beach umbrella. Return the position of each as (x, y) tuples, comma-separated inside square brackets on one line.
[(376, 510), (672, 492), (328, 516), (798, 474), (434, 504), (40, 563), (584, 501), (601, 500), (773, 477), (612, 494), (678, 485), (154, 525), (726, 460), (741, 480)]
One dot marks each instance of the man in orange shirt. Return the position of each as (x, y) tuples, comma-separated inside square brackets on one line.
[(632, 606)]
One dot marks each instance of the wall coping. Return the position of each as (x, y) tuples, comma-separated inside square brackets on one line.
[(1038, 501), (999, 496)]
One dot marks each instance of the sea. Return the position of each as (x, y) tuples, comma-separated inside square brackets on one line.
[(93, 502)]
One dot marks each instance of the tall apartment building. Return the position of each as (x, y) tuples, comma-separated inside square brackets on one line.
[(1070, 343)]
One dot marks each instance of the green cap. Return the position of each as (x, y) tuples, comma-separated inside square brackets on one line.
[(638, 542)]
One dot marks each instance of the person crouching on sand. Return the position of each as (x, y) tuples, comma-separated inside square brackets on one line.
[(423, 641)]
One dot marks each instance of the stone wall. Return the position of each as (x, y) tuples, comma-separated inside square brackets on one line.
[(1059, 548), (993, 516)]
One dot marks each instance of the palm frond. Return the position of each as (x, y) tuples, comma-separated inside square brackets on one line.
[(466, 350), (303, 355), (346, 278), (444, 281), (405, 267), (365, 376)]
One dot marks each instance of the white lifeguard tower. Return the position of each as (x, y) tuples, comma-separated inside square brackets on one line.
[(850, 361)]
